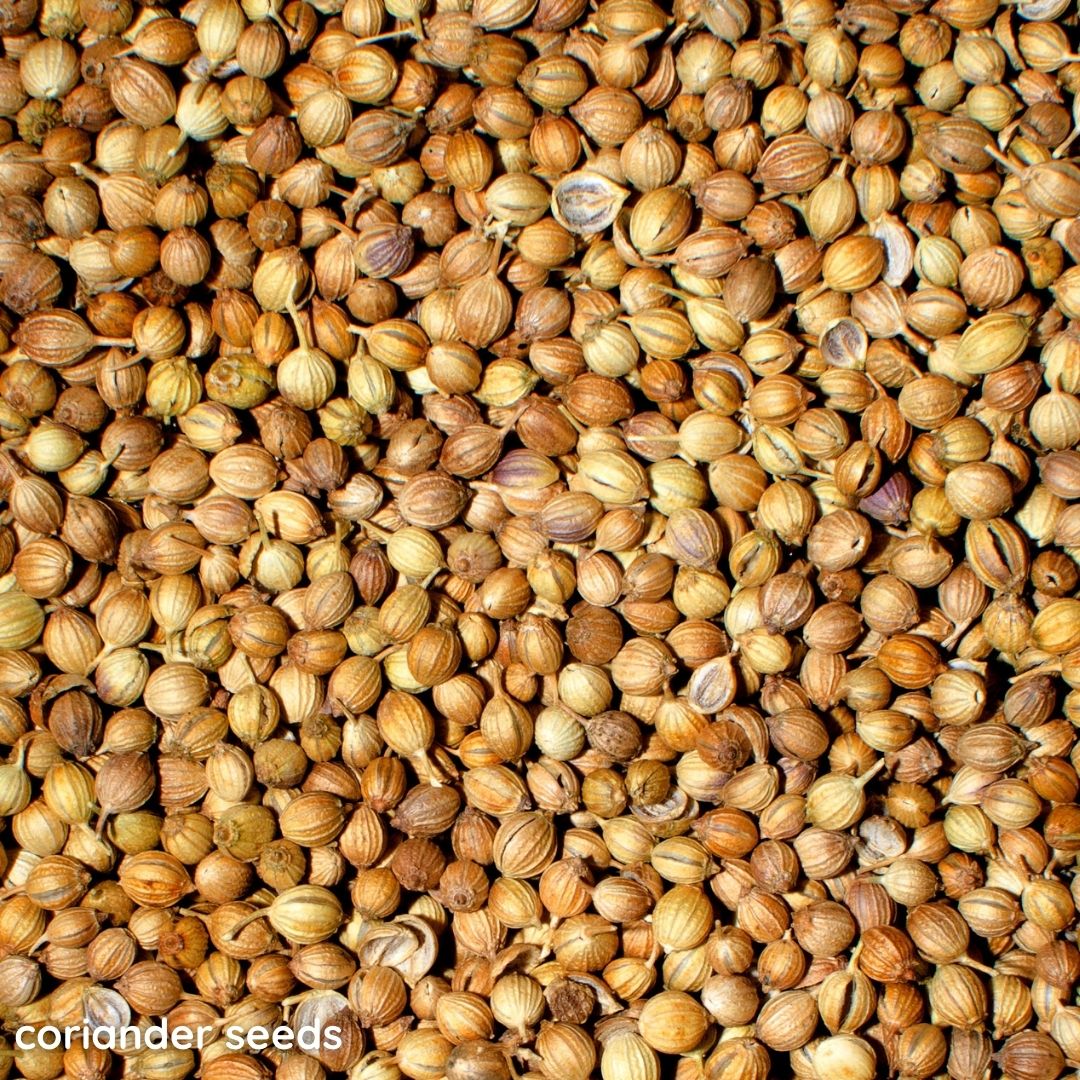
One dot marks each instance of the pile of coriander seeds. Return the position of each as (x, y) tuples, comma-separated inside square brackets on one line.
[(542, 536)]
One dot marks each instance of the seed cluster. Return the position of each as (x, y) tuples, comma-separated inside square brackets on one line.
[(543, 535)]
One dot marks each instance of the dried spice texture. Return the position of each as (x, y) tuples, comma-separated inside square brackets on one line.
[(542, 535)]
